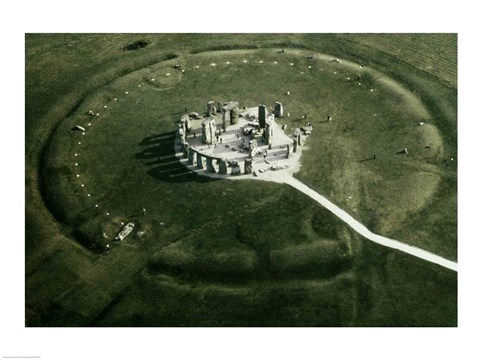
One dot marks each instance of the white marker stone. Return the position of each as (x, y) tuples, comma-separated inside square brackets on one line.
[(371, 89), (83, 185), (126, 92), (152, 80), (167, 74), (115, 99), (291, 64), (261, 61), (97, 114), (309, 67), (76, 164), (139, 85), (88, 195), (96, 205), (78, 175), (245, 61), (76, 154), (79, 143), (275, 62), (105, 106), (108, 214), (228, 62), (89, 124)]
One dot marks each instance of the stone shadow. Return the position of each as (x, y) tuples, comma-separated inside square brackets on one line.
[(158, 155)]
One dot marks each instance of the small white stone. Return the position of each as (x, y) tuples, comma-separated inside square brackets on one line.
[(96, 205), (139, 85), (152, 80), (197, 67), (309, 67), (89, 124), (79, 143), (115, 99), (88, 195), (261, 61), (97, 114), (183, 70), (275, 62), (359, 83), (105, 106), (76, 154), (83, 185), (228, 62), (126, 92), (291, 64), (245, 61), (371, 90), (78, 175), (167, 74), (335, 72), (213, 64), (83, 133), (76, 164), (108, 213)]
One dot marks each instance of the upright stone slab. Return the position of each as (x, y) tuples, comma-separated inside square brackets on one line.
[(269, 131), (222, 167), (224, 119), (278, 109), (233, 116), (211, 108), (262, 115), (191, 157), (208, 131), (236, 169), (199, 161), (248, 166), (210, 167)]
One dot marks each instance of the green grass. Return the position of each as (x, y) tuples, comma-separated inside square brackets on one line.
[(285, 263)]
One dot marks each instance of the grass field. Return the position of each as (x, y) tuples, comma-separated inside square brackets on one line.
[(237, 253)]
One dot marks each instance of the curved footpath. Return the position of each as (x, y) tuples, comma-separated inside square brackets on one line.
[(286, 178)]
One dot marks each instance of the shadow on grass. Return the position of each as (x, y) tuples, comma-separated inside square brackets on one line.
[(158, 156)]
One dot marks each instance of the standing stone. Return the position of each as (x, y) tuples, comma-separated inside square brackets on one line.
[(199, 161), (222, 166), (269, 130), (236, 168), (211, 108), (278, 109), (181, 133), (262, 115), (288, 151), (191, 157), (294, 145), (208, 131), (224, 119), (210, 167), (233, 116), (248, 166), (299, 139)]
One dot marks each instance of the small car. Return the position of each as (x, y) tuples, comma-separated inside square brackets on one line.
[(127, 229)]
